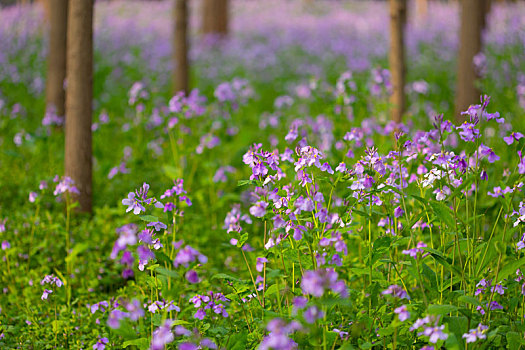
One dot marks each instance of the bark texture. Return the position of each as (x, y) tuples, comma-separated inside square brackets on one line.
[(215, 17), (421, 8), (469, 46), (56, 59), (79, 99), (180, 47), (398, 9)]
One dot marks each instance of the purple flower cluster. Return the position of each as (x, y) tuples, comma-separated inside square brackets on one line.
[(431, 329), (212, 302), (133, 312), (279, 336), (138, 199), (66, 185), (396, 291), (476, 334), (316, 282), (232, 222), (179, 191), (52, 280), (188, 255)]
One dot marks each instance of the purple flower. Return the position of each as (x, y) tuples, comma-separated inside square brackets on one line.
[(162, 336), (188, 346), (260, 264), (133, 204), (209, 302), (157, 225), (192, 276), (115, 317), (187, 255), (299, 302), (435, 333), (278, 338), (513, 136), (102, 306), (468, 132), (498, 192), (46, 293), (135, 310), (396, 291), (101, 344), (259, 209), (316, 282), (521, 164), (51, 279), (6, 245), (145, 255), (402, 313), (414, 251), (65, 185), (312, 314), (398, 212), (32, 197), (477, 333)]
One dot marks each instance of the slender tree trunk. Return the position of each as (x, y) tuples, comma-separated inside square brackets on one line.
[(180, 46), (47, 10), (56, 59), (470, 45), (421, 8), (215, 17), (79, 99), (398, 10)]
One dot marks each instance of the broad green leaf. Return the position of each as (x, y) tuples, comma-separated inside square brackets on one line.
[(141, 343), (510, 268), (443, 213), (435, 309), (149, 218), (469, 300)]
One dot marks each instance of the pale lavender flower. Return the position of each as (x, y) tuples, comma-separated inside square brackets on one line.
[(312, 314), (187, 255), (133, 204), (101, 344), (435, 333), (32, 197), (402, 313), (162, 336), (259, 209), (46, 293), (475, 334)]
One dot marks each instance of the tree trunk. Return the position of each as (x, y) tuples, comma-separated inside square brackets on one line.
[(421, 8), (215, 17), (180, 46), (470, 45), (398, 10), (56, 59), (47, 10), (79, 99)]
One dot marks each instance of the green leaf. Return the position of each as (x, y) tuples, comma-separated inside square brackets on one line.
[(443, 213), (469, 300), (141, 343), (514, 340), (77, 249), (441, 309), (242, 240), (238, 341), (441, 259), (510, 268), (148, 218), (165, 272)]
